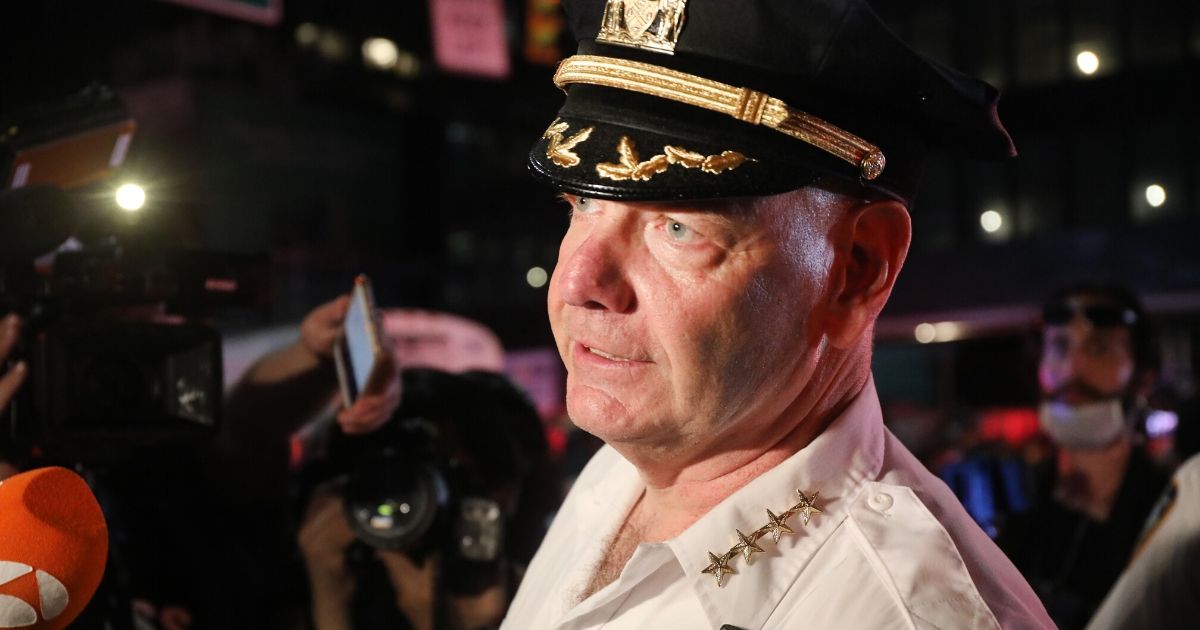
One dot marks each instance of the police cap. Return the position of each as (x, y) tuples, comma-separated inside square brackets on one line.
[(702, 99)]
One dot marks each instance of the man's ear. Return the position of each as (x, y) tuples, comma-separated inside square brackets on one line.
[(870, 244)]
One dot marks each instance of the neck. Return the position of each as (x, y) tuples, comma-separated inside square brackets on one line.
[(1089, 479), (678, 494)]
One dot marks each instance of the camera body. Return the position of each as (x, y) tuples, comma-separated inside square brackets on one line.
[(111, 318), (117, 359), (445, 474)]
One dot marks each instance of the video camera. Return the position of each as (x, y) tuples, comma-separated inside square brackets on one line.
[(448, 473), (118, 357)]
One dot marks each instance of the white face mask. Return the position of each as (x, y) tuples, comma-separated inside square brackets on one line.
[(1091, 425)]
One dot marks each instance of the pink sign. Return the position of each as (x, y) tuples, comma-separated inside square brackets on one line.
[(539, 371), (441, 341), (469, 37)]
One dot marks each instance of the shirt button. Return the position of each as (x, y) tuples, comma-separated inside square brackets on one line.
[(880, 502)]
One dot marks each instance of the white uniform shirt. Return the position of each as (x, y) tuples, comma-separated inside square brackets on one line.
[(893, 549)]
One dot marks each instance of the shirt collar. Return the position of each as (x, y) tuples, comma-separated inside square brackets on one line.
[(836, 463)]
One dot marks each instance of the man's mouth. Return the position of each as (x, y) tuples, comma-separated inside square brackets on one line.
[(603, 354), (1076, 394)]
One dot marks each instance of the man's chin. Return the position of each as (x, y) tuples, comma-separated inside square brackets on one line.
[(604, 416)]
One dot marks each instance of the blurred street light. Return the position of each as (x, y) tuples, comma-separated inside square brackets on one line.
[(1088, 62), (380, 53), (991, 221), (1156, 195), (537, 277), (131, 197)]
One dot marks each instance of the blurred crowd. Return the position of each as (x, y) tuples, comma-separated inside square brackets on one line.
[(420, 504)]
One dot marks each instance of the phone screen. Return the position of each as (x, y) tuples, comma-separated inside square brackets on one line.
[(359, 340)]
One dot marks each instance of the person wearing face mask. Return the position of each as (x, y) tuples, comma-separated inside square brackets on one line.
[(1098, 363)]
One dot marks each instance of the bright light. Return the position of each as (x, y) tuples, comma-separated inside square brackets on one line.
[(537, 277), (925, 332), (991, 221), (131, 197), (947, 331), (1156, 195), (307, 34), (1088, 62), (381, 53), (1160, 423)]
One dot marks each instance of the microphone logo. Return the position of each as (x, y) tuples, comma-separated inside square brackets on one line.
[(53, 548), (15, 612)]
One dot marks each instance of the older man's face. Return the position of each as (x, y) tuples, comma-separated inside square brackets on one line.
[(677, 322)]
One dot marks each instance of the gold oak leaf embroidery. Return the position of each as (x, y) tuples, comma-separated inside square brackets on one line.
[(714, 164), (559, 150), (631, 166), (629, 163), (683, 157), (726, 161)]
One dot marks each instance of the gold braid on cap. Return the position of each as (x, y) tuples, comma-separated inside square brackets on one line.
[(744, 104)]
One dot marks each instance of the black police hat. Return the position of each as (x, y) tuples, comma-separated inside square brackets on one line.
[(699, 99)]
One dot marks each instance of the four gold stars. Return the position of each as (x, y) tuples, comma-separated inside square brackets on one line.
[(747, 545)]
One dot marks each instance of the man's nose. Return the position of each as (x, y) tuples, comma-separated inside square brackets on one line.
[(1076, 363), (593, 275)]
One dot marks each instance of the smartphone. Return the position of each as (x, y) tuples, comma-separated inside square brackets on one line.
[(359, 353)]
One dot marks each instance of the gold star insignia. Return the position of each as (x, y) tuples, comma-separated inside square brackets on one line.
[(719, 567), (807, 506), (747, 546), (777, 526)]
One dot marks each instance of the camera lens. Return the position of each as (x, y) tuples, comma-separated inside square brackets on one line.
[(392, 501)]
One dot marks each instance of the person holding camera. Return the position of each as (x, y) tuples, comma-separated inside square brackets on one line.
[(474, 430), (437, 512)]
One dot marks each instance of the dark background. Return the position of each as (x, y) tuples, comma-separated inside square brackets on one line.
[(279, 139)]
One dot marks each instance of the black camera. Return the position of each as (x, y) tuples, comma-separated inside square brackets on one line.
[(449, 472), (116, 355)]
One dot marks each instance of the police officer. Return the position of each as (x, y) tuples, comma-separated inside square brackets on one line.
[(739, 176)]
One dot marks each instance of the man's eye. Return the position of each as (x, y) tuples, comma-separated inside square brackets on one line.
[(583, 205), (678, 231)]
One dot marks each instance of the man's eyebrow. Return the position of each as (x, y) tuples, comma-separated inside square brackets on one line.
[(727, 213), (732, 206)]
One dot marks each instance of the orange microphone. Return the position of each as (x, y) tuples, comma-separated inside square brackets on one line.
[(53, 547)]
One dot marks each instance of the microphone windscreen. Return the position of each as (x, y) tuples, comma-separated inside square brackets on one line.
[(53, 548)]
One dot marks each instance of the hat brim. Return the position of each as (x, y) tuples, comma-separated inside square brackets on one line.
[(627, 147)]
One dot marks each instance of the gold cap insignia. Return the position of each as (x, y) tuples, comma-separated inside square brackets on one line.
[(646, 24)]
